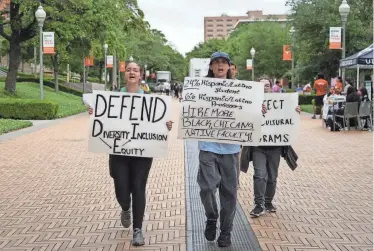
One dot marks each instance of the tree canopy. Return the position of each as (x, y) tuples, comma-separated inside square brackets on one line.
[(311, 20), (81, 29)]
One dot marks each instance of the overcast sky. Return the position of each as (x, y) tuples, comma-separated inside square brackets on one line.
[(182, 21)]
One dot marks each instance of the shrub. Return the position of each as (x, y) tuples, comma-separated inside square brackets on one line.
[(306, 99), (27, 109), (47, 83)]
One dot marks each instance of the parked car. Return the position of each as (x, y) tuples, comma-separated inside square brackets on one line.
[(159, 87)]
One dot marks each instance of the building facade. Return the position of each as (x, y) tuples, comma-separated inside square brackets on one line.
[(221, 26)]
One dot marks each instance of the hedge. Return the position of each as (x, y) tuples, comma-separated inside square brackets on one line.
[(47, 83), (306, 99), (27, 109)]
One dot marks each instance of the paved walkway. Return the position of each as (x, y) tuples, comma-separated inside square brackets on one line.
[(55, 195), (326, 203)]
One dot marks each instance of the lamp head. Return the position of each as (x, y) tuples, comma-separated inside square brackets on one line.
[(253, 52), (40, 16), (344, 10)]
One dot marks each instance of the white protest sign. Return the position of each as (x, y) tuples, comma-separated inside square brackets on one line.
[(129, 124), (221, 110), (281, 123)]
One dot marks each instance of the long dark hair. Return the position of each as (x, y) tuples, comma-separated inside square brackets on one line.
[(364, 91), (350, 90), (211, 74)]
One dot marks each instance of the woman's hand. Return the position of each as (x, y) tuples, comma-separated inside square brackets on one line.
[(169, 125), (90, 110), (298, 109), (264, 109)]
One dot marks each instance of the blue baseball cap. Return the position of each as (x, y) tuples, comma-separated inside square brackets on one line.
[(219, 54)]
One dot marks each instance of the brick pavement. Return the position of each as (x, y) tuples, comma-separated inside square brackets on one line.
[(326, 203), (55, 195)]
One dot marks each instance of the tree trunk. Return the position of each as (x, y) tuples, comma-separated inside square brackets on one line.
[(101, 72), (14, 60), (56, 65)]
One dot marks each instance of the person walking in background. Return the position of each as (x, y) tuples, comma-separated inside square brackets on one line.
[(130, 174), (321, 87), (233, 71), (276, 87), (172, 88), (176, 90), (167, 88)]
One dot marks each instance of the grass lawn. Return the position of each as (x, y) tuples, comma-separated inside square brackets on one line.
[(307, 108), (68, 104), (8, 125)]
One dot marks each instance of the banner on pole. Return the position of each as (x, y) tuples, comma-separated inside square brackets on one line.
[(249, 64), (335, 38), (89, 61), (109, 61), (48, 42), (122, 66), (287, 54)]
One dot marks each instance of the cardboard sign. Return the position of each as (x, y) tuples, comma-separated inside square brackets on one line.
[(281, 123), (221, 110), (129, 124)]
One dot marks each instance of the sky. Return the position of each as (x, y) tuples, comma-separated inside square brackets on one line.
[(182, 21)]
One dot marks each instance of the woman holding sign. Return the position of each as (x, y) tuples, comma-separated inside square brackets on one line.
[(266, 161), (218, 168), (130, 173)]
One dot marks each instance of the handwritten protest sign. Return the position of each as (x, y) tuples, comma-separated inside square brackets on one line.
[(129, 124), (221, 110), (281, 123)]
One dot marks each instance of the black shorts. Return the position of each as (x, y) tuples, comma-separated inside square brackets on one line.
[(318, 100)]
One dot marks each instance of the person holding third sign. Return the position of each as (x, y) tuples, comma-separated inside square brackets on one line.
[(130, 174), (266, 161)]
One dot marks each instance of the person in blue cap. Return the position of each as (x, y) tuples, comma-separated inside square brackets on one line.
[(218, 168)]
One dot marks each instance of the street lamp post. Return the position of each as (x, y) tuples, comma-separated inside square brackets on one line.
[(40, 16), (253, 52), (292, 31), (105, 46), (344, 11)]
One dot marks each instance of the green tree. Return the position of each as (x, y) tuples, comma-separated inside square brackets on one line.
[(20, 27), (312, 20), (267, 38)]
